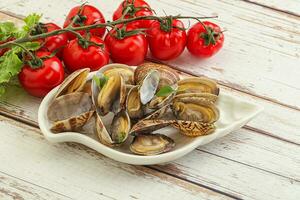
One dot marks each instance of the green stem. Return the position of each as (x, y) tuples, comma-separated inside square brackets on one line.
[(26, 50), (102, 25)]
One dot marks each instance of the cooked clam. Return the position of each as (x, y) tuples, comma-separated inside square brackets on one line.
[(193, 128), (197, 85), (149, 125), (148, 86), (168, 76), (133, 104), (151, 144), (207, 96), (195, 110), (75, 82), (119, 129), (112, 95), (160, 101), (70, 112), (120, 69)]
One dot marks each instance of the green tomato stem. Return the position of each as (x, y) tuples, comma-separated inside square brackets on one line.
[(88, 27)]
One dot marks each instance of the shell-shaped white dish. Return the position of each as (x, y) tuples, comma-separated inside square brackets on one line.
[(234, 113)]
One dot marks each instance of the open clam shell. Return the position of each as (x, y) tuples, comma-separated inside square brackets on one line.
[(75, 82), (160, 101), (168, 75), (70, 112), (193, 128), (148, 86), (187, 128), (209, 97), (124, 70), (151, 144), (111, 97), (134, 105), (119, 129), (195, 109), (197, 85)]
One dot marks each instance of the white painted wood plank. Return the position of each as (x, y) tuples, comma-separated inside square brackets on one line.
[(15, 189), (77, 172), (81, 173), (289, 6), (260, 44), (234, 178)]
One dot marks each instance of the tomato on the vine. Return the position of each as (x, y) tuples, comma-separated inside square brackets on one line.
[(55, 42), (126, 45), (86, 15), (134, 8), (205, 42), (166, 39), (39, 81), (80, 54)]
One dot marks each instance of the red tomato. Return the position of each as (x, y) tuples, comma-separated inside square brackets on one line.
[(130, 50), (38, 82), (202, 43), (89, 15), (55, 42), (135, 11), (166, 43), (77, 57)]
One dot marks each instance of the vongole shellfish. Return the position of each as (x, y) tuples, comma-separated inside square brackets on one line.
[(125, 71), (75, 82), (195, 109), (119, 130), (64, 111), (70, 112), (151, 144), (168, 76), (189, 107), (110, 97), (197, 85)]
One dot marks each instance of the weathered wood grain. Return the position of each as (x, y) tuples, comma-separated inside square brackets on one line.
[(259, 43), (80, 173), (12, 188), (291, 6), (56, 167)]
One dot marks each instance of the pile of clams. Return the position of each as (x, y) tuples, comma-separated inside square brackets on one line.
[(142, 100)]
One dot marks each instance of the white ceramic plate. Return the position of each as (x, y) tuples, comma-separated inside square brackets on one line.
[(234, 113)]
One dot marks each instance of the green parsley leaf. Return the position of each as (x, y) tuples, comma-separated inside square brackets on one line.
[(30, 21), (165, 91), (7, 30), (100, 81), (10, 65)]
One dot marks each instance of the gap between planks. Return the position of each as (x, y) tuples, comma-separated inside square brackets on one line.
[(181, 182), (272, 8)]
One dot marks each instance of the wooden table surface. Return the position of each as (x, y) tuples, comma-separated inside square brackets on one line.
[(259, 62)]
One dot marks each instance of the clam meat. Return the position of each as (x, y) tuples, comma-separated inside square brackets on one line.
[(151, 144)]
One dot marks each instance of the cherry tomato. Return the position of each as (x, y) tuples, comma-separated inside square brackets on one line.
[(76, 56), (2, 51), (166, 42), (87, 15), (56, 42), (38, 82), (202, 43), (130, 50), (136, 8)]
